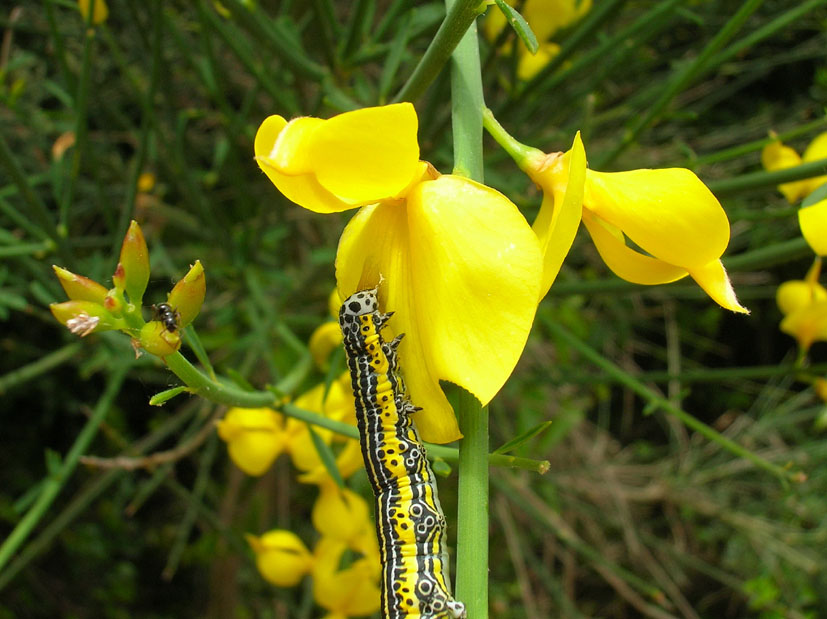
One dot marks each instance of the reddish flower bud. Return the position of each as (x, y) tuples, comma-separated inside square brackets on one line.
[(157, 340), (187, 296), (84, 317), (133, 267), (78, 287)]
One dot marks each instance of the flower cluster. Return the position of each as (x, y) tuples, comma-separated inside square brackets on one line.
[(342, 520), (546, 18), (92, 308), (255, 438), (458, 263)]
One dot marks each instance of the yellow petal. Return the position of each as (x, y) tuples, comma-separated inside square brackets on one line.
[(795, 294), (530, 64), (562, 180), (668, 213), (341, 514), (290, 153), (99, 13), (254, 438), (302, 189), (778, 156), (815, 151), (366, 155), (350, 591), (281, 557), (325, 339), (546, 17), (714, 280), (460, 266), (813, 222), (624, 261), (807, 324)]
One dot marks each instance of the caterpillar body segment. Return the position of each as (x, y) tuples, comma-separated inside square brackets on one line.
[(409, 521)]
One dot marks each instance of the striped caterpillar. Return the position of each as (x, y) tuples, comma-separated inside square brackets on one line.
[(409, 520)]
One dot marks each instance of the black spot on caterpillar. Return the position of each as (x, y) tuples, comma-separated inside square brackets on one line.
[(409, 520)]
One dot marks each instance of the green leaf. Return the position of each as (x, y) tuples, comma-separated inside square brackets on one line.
[(522, 438), (159, 399), (520, 26), (441, 467), (327, 456)]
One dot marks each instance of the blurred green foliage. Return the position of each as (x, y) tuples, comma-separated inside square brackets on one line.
[(637, 517)]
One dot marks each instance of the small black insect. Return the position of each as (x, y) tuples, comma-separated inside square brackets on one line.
[(167, 316)]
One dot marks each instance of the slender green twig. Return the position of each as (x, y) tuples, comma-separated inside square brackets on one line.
[(55, 482), (680, 80), (758, 180), (27, 372)]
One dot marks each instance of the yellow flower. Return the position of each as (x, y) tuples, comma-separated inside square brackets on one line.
[(545, 17), (348, 592), (281, 557), (813, 222), (777, 156), (99, 14), (328, 336), (804, 305), (342, 514), (459, 264), (669, 214), (254, 436)]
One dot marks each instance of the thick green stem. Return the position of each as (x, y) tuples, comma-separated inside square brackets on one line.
[(467, 105), (472, 527), (53, 484)]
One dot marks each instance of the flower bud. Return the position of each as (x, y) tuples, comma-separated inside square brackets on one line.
[(281, 557), (84, 317), (156, 340), (324, 340), (341, 514), (133, 267), (188, 294), (78, 287)]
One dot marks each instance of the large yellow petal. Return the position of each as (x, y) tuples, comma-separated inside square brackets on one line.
[(668, 213), (624, 261), (813, 222), (374, 247), (460, 266), (366, 155), (563, 184)]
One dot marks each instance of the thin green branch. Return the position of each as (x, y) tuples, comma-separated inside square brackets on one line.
[(459, 18), (53, 484), (758, 180), (23, 374)]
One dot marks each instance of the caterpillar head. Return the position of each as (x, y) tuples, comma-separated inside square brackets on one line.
[(360, 303)]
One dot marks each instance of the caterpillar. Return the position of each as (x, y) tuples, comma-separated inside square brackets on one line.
[(409, 520)]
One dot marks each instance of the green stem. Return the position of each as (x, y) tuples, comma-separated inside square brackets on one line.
[(460, 16), (656, 401), (53, 484), (21, 375), (757, 180), (467, 105), (472, 526)]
